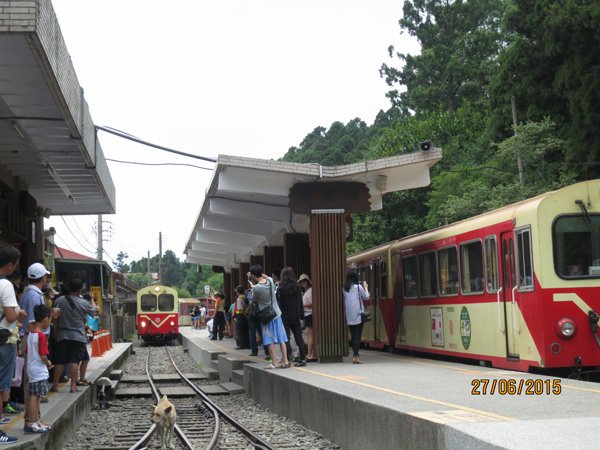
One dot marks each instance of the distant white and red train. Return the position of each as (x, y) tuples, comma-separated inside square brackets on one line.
[(517, 288), (157, 315)]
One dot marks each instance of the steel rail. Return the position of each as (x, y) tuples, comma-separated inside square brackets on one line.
[(139, 445), (256, 440)]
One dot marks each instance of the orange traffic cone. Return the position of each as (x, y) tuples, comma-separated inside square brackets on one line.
[(109, 340), (96, 346)]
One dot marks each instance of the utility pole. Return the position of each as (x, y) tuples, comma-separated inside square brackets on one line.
[(513, 105), (149, 273), (99, 248), (159, 257)]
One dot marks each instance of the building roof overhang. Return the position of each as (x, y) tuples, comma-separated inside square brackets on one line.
[(48, 144), (247, 205)]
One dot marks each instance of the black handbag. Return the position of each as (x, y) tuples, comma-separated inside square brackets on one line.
[(365, 316)]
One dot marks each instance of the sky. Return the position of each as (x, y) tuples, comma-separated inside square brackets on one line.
[(235, 77)]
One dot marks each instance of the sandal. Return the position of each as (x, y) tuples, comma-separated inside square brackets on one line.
[(83, 383), (72, 391), (285, 366), (271, 366)]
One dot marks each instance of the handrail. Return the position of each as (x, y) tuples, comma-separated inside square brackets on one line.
[(500, 327), (514, 307)]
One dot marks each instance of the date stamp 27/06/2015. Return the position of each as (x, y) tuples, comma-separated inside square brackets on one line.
[(511, 386)]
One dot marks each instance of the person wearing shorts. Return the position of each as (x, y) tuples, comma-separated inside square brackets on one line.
[(38, 366)]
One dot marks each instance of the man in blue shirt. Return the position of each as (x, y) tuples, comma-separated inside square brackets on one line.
[(39, 278)]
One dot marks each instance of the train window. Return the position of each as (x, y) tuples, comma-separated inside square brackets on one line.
[(428, 274), (524, 264), (410, 276), (148, 302), (471, 266), (491, 264), (576, 242), (448, 271), (166, 302)]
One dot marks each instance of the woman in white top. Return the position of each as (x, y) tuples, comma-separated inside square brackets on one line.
[(311, 355), (355, 294)]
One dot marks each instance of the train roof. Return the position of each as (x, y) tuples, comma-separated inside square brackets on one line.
[(503, 214)]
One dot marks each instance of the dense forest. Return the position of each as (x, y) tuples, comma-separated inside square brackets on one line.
[(508, 89)]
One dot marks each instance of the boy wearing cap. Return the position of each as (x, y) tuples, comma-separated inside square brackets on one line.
[(38, 277)]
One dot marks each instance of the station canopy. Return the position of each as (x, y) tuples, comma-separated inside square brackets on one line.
[(247, 205), (48, 144)]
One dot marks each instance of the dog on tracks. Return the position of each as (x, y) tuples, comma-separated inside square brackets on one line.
[(164, 417)]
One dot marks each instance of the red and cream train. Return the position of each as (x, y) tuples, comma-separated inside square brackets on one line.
[(157, 315), (518, 287)]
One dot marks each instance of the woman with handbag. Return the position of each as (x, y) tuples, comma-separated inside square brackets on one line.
[(269, 314), (355, 294)]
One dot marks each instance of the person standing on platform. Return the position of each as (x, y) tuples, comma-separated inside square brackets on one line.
[(71, 338), (289, 295), (355, 294), (240, 320), (308, 317), (273, 333), (38, 366), (39, 278), (9, 314), (218, 327)]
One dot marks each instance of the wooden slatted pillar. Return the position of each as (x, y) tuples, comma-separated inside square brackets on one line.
[(296, 252), (244, 269), (258, 259), (227, 277), (235, 278), (328, 260), (273, 258), (326, 203)]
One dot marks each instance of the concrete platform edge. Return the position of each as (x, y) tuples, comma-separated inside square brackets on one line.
[(353, 424)]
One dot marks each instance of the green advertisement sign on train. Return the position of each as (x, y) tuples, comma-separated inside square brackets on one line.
[(465, 328)]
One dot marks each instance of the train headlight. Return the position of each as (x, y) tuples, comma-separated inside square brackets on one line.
[(143, 323), (565, 328), (172, 322)]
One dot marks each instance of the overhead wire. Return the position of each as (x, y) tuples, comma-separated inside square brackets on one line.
[(79, 229), (75, 237), (157, 164)]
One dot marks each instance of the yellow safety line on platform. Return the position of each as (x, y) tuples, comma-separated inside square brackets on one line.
[(411, 396)]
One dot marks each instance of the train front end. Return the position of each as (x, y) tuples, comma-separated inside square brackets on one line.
[(157, 314)]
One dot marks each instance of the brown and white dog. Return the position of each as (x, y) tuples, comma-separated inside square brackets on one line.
[(164, 417)]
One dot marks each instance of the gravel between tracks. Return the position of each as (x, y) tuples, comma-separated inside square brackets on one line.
[(100, 426)]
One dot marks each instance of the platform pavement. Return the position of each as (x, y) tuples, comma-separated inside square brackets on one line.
[(395, 401), (65, 410)]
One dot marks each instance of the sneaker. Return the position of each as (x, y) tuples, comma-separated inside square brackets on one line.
[(300, 363), (16, 407), (35, 428), (44, 399), (4, 439), (5, 420), (9, 409)]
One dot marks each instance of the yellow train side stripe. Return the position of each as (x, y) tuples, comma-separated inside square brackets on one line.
[(407, 395), (572, 297)]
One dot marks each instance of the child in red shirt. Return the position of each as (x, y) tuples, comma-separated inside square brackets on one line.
[(37, 368)]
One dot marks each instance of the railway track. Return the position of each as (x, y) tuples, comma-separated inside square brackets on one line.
[(200, 422)]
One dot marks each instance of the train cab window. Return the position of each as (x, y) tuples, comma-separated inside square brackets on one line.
[(410, 276), (166, 302), (148, 303), (491, 264), (471, 265), (428, 274), (524, 265), (576, 246), (448, 271)]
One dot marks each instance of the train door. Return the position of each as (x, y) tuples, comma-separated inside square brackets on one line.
[(507, 294), (375, 295)]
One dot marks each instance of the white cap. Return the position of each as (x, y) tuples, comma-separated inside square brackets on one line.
[(36, 271)]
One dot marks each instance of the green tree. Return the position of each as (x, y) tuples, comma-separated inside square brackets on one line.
[(120, 264), (552, 69), (459, 42), (172, 273)]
